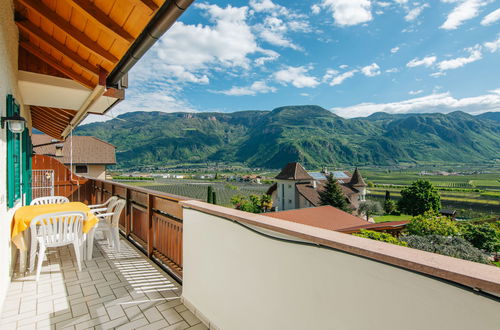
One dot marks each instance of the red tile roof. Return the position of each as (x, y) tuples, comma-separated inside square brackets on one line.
[(293, 171), (86, 149), (326, 217), (377, 226)]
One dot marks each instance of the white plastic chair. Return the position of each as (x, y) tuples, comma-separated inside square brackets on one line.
[(109, 221), (49, 200), (98, 208), (55, 230)]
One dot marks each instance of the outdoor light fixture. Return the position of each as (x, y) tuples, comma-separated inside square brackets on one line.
[(15, 123)]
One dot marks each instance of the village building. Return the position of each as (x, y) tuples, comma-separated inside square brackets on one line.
[(83, 155), (296, 188)]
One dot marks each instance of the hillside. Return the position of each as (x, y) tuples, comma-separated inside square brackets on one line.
[(309, 134)]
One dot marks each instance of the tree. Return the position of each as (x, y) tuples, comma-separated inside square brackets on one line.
[(432, 224), (266, 202), (449, 246), (369, 208), (333, 195), (214, 197), (253, 204), (419, 198), (389, 205), (378, 236), (483, 236)]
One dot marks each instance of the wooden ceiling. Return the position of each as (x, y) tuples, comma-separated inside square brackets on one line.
[(82, 40)]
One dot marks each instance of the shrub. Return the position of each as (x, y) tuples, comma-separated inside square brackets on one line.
[(455, 247), (483, 236), (432, 224), (390, 207), (253, 204), (378, 236)]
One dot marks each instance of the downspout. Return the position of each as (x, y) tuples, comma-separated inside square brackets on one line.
[(166, 16)]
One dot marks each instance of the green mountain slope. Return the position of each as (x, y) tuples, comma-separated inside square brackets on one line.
[(309, 134)]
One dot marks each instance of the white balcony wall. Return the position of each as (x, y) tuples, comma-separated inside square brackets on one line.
[(8, 85), (237, 279)]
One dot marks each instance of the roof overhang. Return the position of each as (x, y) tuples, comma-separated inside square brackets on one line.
[(71, 50)]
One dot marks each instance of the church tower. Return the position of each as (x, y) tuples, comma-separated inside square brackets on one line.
[(287, 197), (359, 184)]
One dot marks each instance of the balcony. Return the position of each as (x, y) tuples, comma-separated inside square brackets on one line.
[(122, 290), (246, 271)]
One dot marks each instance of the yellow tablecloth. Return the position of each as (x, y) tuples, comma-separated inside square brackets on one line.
[(24, 215)]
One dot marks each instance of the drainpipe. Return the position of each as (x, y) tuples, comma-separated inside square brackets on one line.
[(166, 16)]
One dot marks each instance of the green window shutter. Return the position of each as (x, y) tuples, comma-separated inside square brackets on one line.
[(27, 154), (13, 157)]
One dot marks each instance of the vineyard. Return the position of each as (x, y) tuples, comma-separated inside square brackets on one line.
[(224, 191)]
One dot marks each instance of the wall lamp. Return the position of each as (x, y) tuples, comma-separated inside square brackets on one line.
[(15, 123)]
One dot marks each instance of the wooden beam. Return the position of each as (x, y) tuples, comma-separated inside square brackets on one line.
[(48, 130), (73, 57), (95, 15), (41, 117), (54, 113), (53, 63), (149, 4), (70, 30)]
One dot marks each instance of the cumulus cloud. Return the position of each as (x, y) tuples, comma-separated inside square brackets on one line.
[(475, 55), (415, 12), (315, 9), (491, 17), (426, 61), (349, 12), (274, 30), (258, 87), (297, 76), (371, 70), (493, 46), (465, 10), (394, 50), (334, 78), (443, 102)]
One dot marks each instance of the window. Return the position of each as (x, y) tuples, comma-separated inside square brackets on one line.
[(289, 201), (289, 186), (81, 169)]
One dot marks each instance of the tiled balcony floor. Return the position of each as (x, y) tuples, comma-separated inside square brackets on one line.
[(115, 290)]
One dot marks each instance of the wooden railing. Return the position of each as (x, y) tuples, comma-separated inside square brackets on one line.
[(152, 220)]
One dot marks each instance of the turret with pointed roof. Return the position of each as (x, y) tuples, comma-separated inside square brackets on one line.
[(357, 180), (293, 171)]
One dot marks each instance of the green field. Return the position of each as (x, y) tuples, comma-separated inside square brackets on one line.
[(478, 192), (385, 218)]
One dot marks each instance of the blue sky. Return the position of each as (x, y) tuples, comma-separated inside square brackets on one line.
[(354, 57)]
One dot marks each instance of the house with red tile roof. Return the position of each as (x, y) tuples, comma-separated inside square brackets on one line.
[(296, 188), (83, 155)]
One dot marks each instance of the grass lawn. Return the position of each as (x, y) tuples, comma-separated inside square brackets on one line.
[(384, 218)]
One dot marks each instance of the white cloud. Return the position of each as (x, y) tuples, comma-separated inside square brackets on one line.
[(465, 10), (227, 43), (273, 30), (415, 12), (315, 9), (493, 46), (392, 70), (394, 50), (263, 5), (297, 76), (475, 55), (442, 102), (258, 87), (349, 12), (343, 66), (371, 70), (416, 92), (491, 17), (426, 61), (334, 78)]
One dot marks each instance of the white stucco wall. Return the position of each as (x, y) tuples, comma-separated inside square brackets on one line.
[(237, 279), (8, 85), (94, 171), (289, 189)]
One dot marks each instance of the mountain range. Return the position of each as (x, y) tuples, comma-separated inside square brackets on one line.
[(309, 134)]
